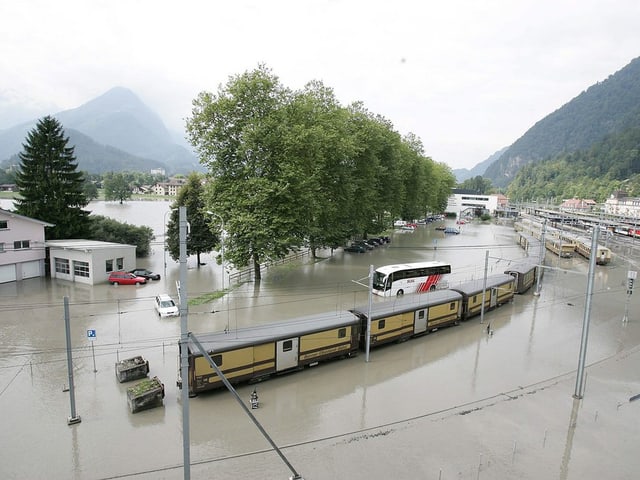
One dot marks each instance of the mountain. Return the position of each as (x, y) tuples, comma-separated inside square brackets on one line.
[(115, 121), (606, 108), (463, 174)]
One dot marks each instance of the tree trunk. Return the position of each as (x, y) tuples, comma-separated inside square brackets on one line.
[(257, 274), (198, 258)]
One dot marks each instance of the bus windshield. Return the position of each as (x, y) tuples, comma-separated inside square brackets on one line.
[(409, 278)]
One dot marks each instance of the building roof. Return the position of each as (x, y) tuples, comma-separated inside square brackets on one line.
[(84, 245), (22, 217)]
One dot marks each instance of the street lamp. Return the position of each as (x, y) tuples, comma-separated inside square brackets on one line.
[(209, 212)]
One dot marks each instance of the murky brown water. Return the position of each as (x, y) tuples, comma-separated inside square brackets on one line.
[(536, 339)]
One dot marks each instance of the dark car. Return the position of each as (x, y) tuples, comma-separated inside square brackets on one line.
[(363, 244), (355, 248), (144, 273)]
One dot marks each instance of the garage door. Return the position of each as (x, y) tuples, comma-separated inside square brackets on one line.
[(7, 273), (31, 269)]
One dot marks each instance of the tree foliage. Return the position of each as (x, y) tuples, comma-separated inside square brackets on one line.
[(612, 164), (200, 238), (296, 168), (51, 188), (109, 230), (477, 184), (117, 186)]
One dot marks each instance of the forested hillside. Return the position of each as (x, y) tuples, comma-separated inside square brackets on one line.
[(609, 165), (606, 108)]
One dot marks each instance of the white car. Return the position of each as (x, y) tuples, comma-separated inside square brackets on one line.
[(166, 307)]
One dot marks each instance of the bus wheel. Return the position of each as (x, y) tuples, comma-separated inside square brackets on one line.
[(400, 293)]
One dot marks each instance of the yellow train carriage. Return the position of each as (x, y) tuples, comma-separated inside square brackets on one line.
[(255, 353), (404, 317), (560, 246), (498, 289), (603, 254)]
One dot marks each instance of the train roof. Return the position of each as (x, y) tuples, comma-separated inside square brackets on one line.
[(473, 287), (522, 266), (408, 303), (258, 334)]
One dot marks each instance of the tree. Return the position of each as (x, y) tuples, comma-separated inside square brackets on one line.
[(200, 238), (109, 230), (50, 186), (117, 187), (253, 185)]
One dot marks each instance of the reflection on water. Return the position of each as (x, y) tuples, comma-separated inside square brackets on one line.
[(533, 339)]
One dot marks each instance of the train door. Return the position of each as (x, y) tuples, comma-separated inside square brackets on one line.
[(493, 301), (420, 321), (286, 354)]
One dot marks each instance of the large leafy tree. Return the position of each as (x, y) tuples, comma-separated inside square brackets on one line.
[(253, 186), (200, 238), (50, 185), (117, 187)]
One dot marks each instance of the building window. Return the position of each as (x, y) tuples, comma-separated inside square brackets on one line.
[(62, 265), (21, 244), (120, 263), (4, 224), (81, 269), (108, 266)]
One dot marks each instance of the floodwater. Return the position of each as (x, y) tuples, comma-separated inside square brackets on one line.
[(457, 403)]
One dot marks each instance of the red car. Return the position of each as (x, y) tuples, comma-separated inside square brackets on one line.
[(125, 278)]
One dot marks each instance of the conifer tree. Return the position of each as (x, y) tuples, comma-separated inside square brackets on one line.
[(50, 186)]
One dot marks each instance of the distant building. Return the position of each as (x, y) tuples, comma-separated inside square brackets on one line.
[(169, 188), (577, 205), (158, 171), (621, 205), (468, 203), (22, 247), (89, 261)]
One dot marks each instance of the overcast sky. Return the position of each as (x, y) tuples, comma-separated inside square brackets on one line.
[(467, 76)]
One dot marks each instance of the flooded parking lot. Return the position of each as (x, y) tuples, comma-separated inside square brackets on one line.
[(457, 403)]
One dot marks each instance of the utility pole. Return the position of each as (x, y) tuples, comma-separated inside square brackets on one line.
[(74, 417), (184, 343), (579, 390)]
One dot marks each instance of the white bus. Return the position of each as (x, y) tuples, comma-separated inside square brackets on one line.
[(409, 278)]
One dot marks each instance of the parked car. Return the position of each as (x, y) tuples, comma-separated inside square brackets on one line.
[(148, 274), (126, 278), (364, 244), (355, 248), (165, 306), (453, 230)]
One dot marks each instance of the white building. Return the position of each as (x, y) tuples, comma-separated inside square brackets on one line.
[(469, 203), (89, 261), (620, 205), (22, 248)]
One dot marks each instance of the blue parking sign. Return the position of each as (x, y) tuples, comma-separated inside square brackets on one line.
[(91, 334)]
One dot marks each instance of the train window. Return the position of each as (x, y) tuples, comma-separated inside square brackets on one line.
[(342, 333), (217, 359), (475, 299), (421, 314), (381, 324), (452, 306), (287, 345)]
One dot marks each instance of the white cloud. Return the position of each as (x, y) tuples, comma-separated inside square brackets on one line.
[(467, 77)]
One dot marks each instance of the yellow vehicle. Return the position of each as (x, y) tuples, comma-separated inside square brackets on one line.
[(498, 289), (408, 316), (255, 353), (562, 247)]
